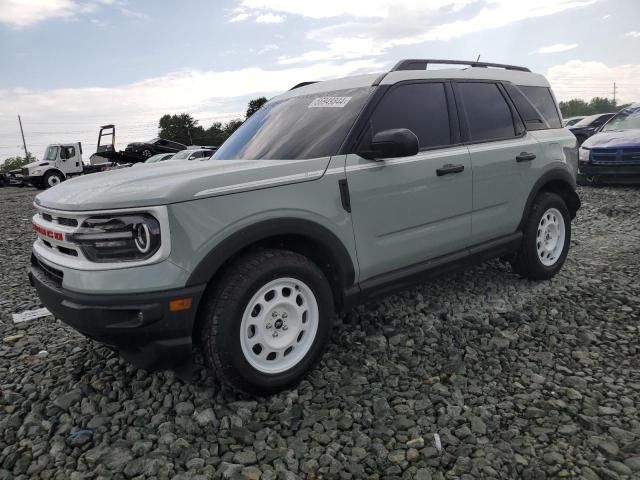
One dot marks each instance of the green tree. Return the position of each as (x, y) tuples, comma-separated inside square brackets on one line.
[(179, 128), (578, 107), (12, 163), (254, 105), (231, 126)]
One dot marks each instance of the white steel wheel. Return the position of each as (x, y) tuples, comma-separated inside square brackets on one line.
[(279, 325), (550, 237), (53, 180)]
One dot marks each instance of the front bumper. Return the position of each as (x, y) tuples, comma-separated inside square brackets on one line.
[(591, 170), (139, 326)]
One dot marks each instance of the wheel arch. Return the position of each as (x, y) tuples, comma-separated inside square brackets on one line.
[(306, 237), (558, 181)]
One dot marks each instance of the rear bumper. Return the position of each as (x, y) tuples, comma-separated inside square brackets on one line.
[(590, 169), (139, 326)]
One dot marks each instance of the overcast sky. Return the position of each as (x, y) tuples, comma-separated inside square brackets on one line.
[(69, 66)]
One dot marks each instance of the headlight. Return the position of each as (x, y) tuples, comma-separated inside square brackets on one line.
[(35, 172), (583, 154), (118, 238)]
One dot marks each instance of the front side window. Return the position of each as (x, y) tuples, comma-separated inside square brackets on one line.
[(67, 152), (487, 112), (298, 127), (419, 107)]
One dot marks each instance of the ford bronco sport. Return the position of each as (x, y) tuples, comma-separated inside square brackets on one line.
[(332, 193)]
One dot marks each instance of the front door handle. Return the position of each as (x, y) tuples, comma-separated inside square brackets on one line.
[(525, 157), (449, 169)]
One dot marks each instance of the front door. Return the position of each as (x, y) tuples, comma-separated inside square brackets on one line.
[(409, 210)]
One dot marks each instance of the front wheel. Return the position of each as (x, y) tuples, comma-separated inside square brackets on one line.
[(51, 179), (547, 235), (267, 321)]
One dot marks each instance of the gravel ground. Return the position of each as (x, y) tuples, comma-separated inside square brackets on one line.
[(517, 380)]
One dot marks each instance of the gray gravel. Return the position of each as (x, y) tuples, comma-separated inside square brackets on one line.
[(517, 379)]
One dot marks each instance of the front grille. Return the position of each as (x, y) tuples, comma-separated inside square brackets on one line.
[(67, 222), (616, 156), (53, 274)]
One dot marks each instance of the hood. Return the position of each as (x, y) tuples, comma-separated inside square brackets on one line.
[(33, 164), (613, 139), (171, 182)]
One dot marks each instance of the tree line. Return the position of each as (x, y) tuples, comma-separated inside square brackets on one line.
[(578, 107), (183, 128)]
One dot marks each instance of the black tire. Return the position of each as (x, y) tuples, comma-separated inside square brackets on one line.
[(146, 153), (51, 179), (225, 305), (527, 262)]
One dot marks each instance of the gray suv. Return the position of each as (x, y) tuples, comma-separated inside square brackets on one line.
[(331, 194)]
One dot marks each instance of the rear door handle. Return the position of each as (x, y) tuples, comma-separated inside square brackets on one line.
[(449, 169), (525, 157)]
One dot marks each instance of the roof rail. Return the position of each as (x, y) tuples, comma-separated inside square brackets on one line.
[(421, 64), (302, 84)]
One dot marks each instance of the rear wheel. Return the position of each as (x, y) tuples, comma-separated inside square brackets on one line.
[(51, 179), (146, 153), (267, 321), (547, 235)]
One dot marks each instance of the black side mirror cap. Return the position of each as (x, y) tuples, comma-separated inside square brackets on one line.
[(392, 143)]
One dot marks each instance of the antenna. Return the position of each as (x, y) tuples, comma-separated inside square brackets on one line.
[(478, 59)]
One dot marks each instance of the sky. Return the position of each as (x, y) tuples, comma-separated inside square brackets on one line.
[(69, 66)]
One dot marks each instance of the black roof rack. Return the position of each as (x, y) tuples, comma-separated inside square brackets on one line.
[(302, 84), (421, 64)]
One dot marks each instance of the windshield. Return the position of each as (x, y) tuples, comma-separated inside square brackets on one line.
[(586, 121), (627, 119), (50, 154), (301, 127), (152, 141), (182, 155)]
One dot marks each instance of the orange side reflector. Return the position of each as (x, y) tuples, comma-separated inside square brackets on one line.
[(180, 304)]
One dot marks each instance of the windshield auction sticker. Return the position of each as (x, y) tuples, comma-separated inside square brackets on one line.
[(334, 102)]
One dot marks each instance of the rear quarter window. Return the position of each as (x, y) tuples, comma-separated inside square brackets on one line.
[(543, 102)]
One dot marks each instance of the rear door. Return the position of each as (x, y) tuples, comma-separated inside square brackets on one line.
[(412, 209), (500, 150)]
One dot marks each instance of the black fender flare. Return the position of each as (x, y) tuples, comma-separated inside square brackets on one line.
[(557, 176), (252, 234)]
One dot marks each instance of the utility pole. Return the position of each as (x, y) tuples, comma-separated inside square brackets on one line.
[(614, 94), (24, 144)]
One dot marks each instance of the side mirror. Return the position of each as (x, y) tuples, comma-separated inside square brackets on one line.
[(392, 143)]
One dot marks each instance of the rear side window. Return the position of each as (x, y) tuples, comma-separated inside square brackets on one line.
[(487, 112), (542, 100), (420, 107)]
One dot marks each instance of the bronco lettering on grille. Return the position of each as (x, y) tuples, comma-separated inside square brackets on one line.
[(48, 233)]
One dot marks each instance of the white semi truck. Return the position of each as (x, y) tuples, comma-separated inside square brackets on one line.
[(59, 162), (62, 161)]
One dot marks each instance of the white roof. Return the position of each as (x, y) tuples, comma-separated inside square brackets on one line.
[(478, 73)]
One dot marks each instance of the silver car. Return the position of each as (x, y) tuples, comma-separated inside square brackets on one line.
[(331, 194)]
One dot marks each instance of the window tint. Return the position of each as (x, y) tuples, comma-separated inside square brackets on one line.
[(420, 107), (488, 114), (533, 119), (67, 152), (543, 101), (601, 119)]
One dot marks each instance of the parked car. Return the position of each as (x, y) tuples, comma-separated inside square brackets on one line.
[(419, 171), (614, 151), (569, 122), (161, 157), (194, 154), (153, 147), (4, 179), (589, 125)]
